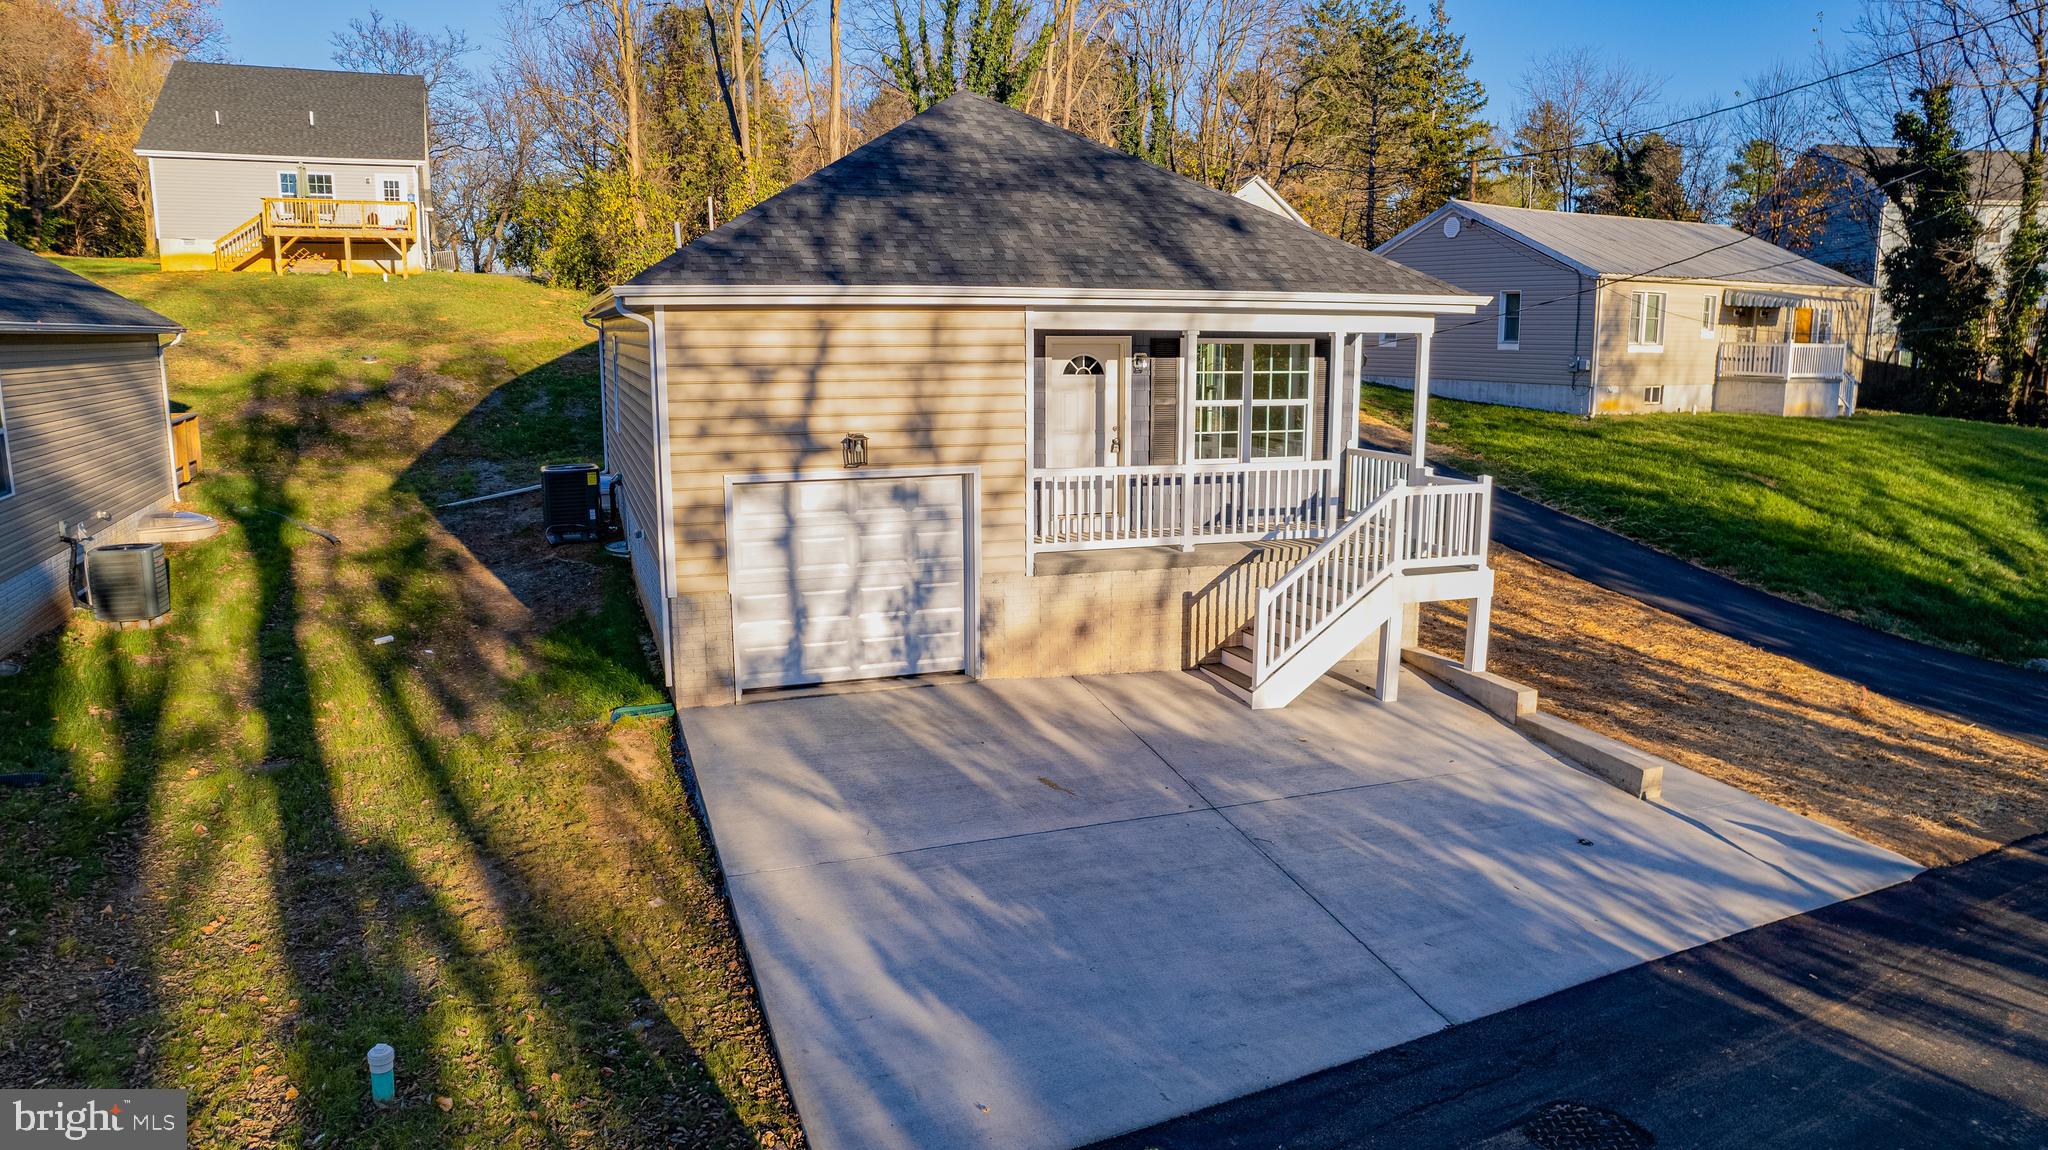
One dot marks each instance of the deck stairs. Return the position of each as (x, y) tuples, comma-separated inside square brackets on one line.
[(239, 245), (1414, 543)]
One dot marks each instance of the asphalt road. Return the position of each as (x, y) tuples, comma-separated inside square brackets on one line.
[(1916, 1016), (1995, 695)]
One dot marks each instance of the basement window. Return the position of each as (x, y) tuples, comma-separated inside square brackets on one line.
[(1653, 395)]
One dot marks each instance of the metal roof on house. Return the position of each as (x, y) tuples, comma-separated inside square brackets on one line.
[(38, 297), (1625, 246), (244, 110), (973, 194)]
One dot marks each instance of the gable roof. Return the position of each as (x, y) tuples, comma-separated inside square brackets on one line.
[(1995, 176), (1626, 246), (38, 297), (288, 112), (973, 194), (1257, 191)]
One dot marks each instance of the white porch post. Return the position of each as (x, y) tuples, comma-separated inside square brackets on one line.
[(1386, 681), (1418, 453), (1477, 623), (1333, 445), (1186, 410), (1031, 512)]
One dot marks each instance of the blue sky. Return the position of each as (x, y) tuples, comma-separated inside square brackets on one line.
[(1701, 50)]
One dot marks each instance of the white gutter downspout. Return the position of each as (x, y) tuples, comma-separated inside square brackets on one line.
[(664, 481), (163, 374), (606, 385)]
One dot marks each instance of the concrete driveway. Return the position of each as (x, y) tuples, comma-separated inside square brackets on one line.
[(1035, 913)]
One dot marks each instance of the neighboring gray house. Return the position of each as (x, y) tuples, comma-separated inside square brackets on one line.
[(85, 442), (1859, 223), (1600, 315), (274, 169)]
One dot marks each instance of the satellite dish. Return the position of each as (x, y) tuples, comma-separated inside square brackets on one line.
[(1451, 226)]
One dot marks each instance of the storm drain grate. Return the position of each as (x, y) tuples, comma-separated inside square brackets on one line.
[(1577, 1126)]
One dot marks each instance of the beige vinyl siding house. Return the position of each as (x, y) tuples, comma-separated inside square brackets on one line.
[(288, 169), (1618, 316), (897, 422), (84, 432)]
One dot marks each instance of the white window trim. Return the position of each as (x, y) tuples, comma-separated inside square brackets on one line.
[(1501, 342), (310, 194), (1656, 402), (1245, 403), (293, 175), (1710, 317), (1638, 317)]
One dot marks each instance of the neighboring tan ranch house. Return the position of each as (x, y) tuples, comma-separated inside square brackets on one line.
[(288, 169), (1605, 315), (986, 398), (85, 435)]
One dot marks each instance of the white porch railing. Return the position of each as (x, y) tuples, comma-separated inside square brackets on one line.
[(1818, 360), (1783, 360), (1088, 508), (1369, 474), (1441, 523)]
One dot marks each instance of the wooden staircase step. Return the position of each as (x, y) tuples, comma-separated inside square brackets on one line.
[(1230, 679)]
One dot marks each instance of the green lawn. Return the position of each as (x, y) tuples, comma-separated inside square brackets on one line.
[(270, 841), (1933, 528)]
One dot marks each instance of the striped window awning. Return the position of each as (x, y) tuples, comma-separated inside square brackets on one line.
[(1738, 297)]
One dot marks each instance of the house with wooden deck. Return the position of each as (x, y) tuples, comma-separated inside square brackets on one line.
[(986, 398), (86, 451), (1604, 315), (288, 169)]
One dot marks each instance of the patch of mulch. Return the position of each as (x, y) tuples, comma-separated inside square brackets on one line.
[(1930, 787)]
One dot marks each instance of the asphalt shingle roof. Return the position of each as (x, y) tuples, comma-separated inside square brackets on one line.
[(1668, 249), (263, 112), (37, 295), (975, 194), (1995, 175)]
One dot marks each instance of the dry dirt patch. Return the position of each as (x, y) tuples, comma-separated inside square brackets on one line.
[(1930, 787)]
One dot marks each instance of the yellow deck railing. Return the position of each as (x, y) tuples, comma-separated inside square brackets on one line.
[(312, 217), (289, 220)]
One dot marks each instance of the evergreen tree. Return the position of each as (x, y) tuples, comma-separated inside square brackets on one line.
[(1639, 177), (1937, 289), (1449, 136), (932, 66)]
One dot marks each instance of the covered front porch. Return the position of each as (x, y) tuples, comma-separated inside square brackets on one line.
[(1241, 430), (1781, 336)]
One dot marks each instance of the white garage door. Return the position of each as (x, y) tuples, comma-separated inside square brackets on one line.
[(849, 579)]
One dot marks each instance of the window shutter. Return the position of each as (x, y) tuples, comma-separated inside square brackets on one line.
[(1165, 440), (1319, 401)]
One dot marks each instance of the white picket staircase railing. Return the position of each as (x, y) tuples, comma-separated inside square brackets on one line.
[(1415, 542)]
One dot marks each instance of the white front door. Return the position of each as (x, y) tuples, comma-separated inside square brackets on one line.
[(849, 578), (1083, 400)]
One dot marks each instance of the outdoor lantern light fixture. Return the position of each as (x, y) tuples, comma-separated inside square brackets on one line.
[(855, 447), (1141, 362)]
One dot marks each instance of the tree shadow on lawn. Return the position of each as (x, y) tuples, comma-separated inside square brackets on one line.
[(437, 885), (434, 842)]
